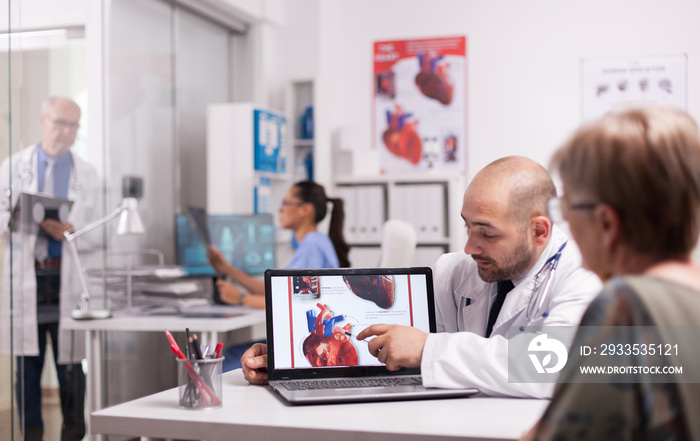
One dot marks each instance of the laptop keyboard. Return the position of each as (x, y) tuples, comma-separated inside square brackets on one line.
[(345, 383)]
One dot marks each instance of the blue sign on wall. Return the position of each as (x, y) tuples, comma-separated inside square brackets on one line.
[(269, 141)]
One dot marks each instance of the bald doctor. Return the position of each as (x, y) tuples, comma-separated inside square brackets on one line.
[(488, 290)]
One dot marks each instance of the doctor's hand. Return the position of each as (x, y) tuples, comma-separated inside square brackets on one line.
[(217, 259), (55, 228), (396, 346), (254, 362)]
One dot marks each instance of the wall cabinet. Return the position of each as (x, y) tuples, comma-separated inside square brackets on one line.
[(431, 204)]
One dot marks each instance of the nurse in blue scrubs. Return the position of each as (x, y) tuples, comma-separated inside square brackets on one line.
[(304, 205)]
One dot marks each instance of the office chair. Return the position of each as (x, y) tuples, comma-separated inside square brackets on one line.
[(398, 243)]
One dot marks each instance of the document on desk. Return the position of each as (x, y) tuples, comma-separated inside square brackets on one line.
[(216, 311), (150, 304), (174, 288)]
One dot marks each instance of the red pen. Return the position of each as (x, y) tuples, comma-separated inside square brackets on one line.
[(219, 348), (171, 338), (177, 351)]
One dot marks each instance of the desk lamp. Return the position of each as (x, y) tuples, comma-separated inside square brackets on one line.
[(129, 223)]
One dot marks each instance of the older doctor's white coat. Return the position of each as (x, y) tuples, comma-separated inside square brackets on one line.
[(83, 190), (460, 356)]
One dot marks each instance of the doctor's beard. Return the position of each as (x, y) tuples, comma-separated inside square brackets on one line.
[(512, 267)]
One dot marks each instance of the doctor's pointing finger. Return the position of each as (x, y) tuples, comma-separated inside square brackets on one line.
[(396, 346)]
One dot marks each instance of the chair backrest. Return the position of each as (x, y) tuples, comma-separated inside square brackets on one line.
[(398, 243)]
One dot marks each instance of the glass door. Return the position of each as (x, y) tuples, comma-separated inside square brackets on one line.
[(43, 108)]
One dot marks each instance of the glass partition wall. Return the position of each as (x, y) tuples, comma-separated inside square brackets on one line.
[(8, 82), (165, 66), (143, 73), (35, 63)]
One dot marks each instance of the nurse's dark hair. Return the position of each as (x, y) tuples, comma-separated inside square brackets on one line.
[(645, 164), (313, 193)]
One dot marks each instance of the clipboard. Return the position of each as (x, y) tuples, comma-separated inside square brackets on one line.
[(198, 218), (33, 208)]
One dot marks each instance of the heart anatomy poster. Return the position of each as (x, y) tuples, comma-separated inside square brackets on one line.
[(420, 104)]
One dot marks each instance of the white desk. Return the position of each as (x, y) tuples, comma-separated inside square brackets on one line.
[(253, 412), (208, 328)]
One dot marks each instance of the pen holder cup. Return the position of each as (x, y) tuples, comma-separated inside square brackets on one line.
[(200, 383)]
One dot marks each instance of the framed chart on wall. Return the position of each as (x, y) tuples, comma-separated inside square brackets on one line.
[(419, 104), (614, 83)]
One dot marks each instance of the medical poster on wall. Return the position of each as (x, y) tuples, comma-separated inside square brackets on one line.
[(419, 117), (610, 84)]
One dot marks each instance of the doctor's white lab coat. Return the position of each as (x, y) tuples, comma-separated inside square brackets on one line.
[(460, 356), (84, 191)]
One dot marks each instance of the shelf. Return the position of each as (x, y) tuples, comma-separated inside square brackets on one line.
[(395, 179), (421, 243), (428, 202), (303, 142), (158, 271), (272, 176)]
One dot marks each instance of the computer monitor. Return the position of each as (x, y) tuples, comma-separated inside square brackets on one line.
[(247, 241)]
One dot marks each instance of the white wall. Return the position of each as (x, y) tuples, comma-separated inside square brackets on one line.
[(523, 62), (523, 58)]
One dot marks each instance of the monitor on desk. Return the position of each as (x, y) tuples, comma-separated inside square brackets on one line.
[(247, 241)]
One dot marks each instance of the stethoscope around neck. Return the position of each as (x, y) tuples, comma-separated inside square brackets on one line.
[(27, 174), (542, 286)]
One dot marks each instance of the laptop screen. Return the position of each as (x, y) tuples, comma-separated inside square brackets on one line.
[(314, 316)]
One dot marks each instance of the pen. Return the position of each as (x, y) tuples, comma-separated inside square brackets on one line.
[(188, 344), (205, 351), (218, 349), (195, 347)]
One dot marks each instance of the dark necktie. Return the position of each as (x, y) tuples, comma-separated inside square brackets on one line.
[(502, 289)]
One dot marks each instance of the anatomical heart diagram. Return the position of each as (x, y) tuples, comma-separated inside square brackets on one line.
[(400, 137), (378, 289), (328, 344), (433, 79)]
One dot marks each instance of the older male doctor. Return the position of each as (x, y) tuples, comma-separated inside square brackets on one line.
[(41, 283), (489, 289)]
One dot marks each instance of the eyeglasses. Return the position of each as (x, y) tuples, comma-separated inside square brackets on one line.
[(286, 203), (556, 208), (61, 124), (544, 277)]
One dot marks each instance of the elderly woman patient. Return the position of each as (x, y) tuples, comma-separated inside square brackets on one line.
[(631, 198)]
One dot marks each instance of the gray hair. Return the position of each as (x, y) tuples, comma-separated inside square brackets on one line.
[(48, 103)]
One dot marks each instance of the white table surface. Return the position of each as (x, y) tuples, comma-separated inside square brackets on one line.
[(254, 412), (174, 323), (207, 328)]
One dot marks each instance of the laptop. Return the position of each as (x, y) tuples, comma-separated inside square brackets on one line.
[(313, 318)]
